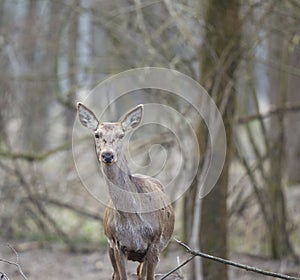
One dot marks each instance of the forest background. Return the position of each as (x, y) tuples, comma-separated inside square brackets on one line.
[(246, 54)]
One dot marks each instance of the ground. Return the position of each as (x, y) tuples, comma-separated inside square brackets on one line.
[(46, 263), (49, 261), (56, 263)]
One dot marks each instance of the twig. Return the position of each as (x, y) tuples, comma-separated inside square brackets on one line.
[(16, 263), (272, 111), (178, 267), (36, 202), (3, 276), (259, 194), (35, 156), (39, 156), (71, 207), (235, 264)]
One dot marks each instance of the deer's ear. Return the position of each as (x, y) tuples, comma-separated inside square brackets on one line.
[(133, 118), (87, 117)]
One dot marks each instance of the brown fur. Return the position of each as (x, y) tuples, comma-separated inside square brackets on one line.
[(135, 236)]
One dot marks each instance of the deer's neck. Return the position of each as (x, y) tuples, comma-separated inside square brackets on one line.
[(118, 174), (121, 188)]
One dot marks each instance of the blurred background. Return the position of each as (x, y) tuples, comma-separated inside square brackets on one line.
[(245, 53)]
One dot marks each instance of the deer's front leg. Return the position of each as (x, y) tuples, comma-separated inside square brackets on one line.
[(111, 253), (151, 262), (120, 259), (141, 271)]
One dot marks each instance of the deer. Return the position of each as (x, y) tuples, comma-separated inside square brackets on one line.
[(140, 231)]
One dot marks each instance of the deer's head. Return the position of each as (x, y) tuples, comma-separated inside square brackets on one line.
[(109, 135)]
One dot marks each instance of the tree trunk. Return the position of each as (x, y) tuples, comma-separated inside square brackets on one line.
[(73, 68), (278, 236), (4, 84), (218, 61), (292, 120), (36, 49)]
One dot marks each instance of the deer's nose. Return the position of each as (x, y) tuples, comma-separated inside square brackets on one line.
[(107, 157)]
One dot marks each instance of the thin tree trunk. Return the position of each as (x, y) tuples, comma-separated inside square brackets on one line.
[(73, 67), (278, 237), (28, 42), (4, 85), (37, 79), (219, 60), (292, 120)]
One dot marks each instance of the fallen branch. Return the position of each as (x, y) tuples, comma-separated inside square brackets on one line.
[(178, 267), (3, 276), (16, 263), (227, 262)]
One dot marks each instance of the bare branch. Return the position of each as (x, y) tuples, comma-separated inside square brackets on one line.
[(16, 263), (35, 156), (72, 208), (272, 111), (178, 267), (3, 276), (231, 263), (38, 156)]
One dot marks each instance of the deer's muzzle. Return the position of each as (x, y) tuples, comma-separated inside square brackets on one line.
[(107, 157)]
